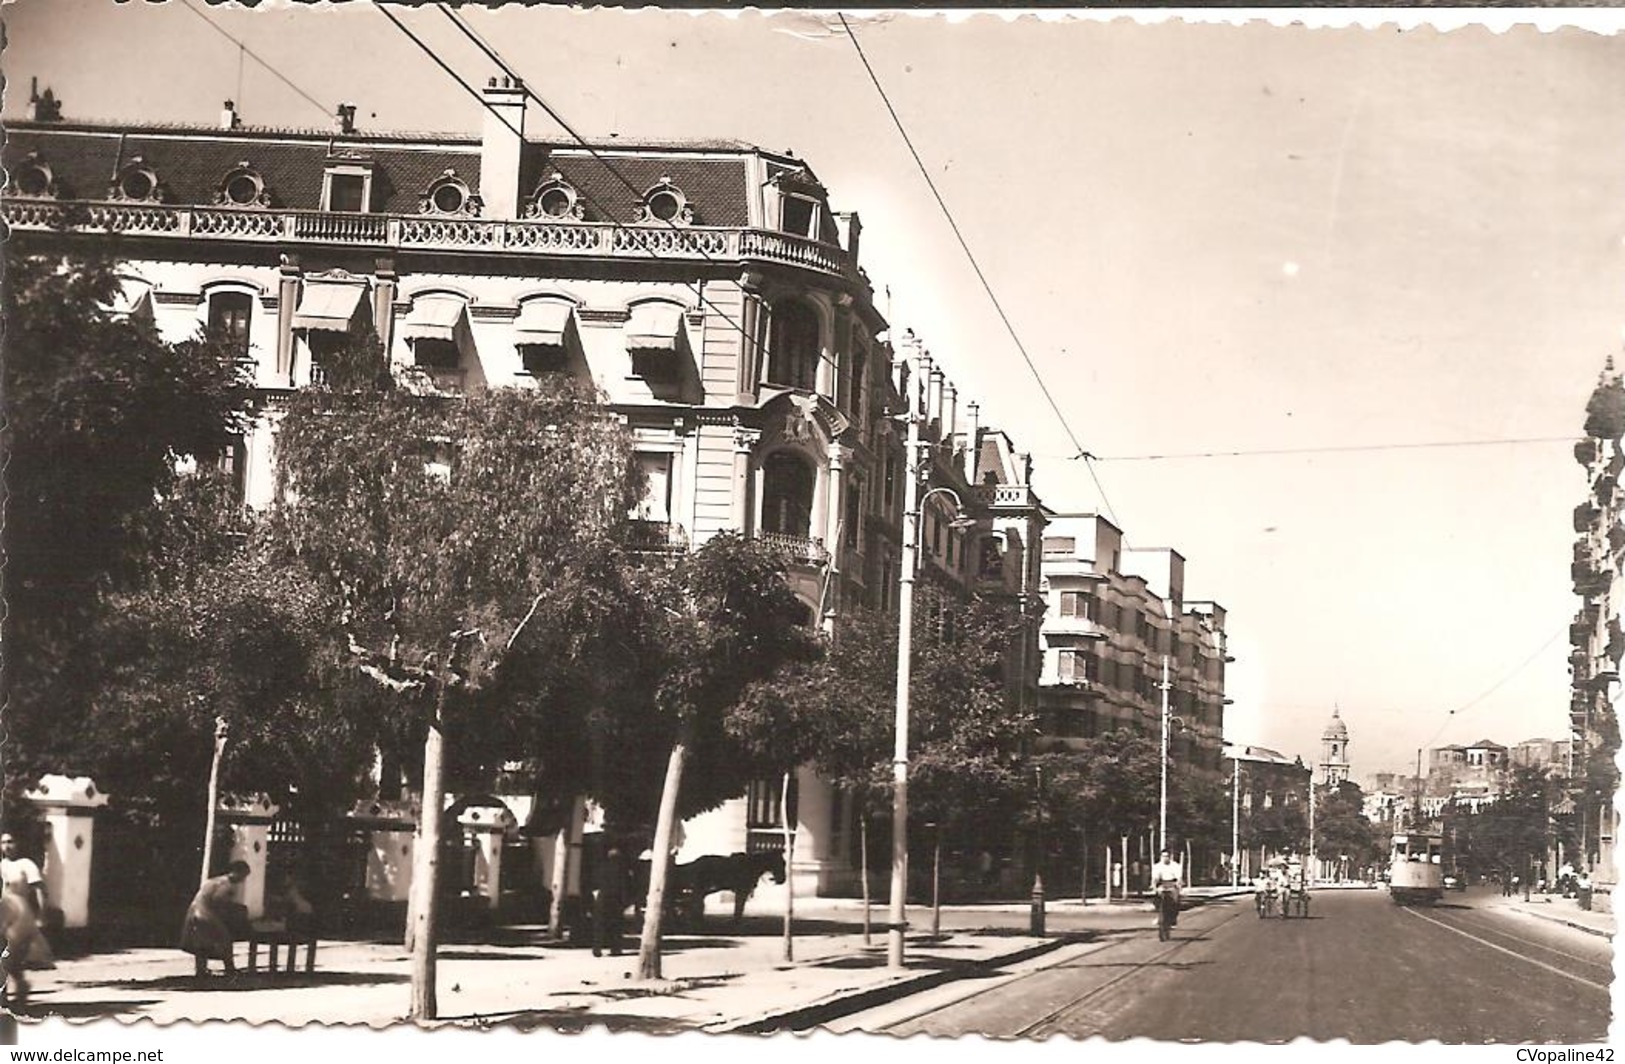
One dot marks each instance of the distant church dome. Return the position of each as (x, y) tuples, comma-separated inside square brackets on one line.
[(1336, 729)]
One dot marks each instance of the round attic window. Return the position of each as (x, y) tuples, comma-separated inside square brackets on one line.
[(32, 179), (665, 206), (555, 203), (137, 184), (243, 189), (450, 198)]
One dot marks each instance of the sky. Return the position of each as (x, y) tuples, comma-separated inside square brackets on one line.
[(1208, 238)]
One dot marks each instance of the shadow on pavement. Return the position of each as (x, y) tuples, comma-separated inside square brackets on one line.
[(577, 1020), (78, 1010), (245, 982)]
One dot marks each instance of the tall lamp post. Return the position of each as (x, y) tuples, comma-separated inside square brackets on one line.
[(913, 504)]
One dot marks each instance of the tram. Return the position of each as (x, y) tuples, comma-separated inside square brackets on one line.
[(1416, 869)]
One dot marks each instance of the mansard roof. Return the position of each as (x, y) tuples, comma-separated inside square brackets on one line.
[(191, 161)]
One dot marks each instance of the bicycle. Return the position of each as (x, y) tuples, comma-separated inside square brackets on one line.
[(1266, 903), (1167, 912)]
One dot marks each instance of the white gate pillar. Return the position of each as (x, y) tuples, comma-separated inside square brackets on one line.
[(391, 828), (250, 817), (68, 806), (489, 825)]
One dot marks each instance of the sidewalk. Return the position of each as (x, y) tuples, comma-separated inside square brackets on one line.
[(1558, 909), (722, 980)]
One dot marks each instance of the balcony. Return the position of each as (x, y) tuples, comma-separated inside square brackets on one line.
[(394, 232), (656, 537), (1004, 495), (799, 550)]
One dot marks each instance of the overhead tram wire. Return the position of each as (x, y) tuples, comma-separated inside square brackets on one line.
[(456, 19), (243, 49), (1496, 686), (1078, 449), (1346, 449), (552, 113)]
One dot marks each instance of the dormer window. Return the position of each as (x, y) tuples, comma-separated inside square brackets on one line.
[(449, 194), (557, 200), (348, 187), (243, 187), (32, 177), (797, 216), (137, 182), (665, 203)]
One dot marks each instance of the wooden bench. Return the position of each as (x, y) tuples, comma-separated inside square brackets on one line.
[(276, 936)]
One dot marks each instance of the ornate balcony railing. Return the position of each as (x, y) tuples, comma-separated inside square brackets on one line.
[(392, 231), (1004, 495), (808, 550)]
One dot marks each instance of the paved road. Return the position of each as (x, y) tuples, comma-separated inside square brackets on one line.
[(1360, 968)]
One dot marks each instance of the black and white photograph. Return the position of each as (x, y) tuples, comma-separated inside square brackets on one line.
[(1055, 531)]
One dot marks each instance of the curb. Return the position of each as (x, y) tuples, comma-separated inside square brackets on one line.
[(1588, 929), (844, 1003)]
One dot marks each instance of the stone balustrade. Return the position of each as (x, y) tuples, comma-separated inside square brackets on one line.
[(429, 232)]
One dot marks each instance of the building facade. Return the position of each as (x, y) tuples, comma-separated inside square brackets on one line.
[(1596, 639), (1113, 616), (1272, 804), (709, 290)]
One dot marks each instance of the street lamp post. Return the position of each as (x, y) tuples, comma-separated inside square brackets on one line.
[(1235, 821), (1162, 804), (913, 505)]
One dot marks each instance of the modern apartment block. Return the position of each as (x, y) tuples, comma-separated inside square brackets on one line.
[(1114, 616)]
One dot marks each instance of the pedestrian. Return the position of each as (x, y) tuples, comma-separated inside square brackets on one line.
[(215, 911), (1582, 889), (609, 903), (22, 906)]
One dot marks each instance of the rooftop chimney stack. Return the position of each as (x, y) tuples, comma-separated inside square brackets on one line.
[(42, 107), (228, 116), (344, 118), (501, 146), (973, 443)]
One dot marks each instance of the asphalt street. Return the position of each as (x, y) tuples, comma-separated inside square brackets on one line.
[(1360, 968)]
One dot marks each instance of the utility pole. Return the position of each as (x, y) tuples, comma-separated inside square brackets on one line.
[(1311, 826), (898, 915), (1162, 809), (1235, 821)]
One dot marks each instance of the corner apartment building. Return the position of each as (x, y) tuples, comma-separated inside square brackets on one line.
[(709, 289), (1113, 615)]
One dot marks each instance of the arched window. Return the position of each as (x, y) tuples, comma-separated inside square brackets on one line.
[(242, 187), (230, 313), (665, 204), (449, 194), (787, 494), (555, 200), (138, 182), (793, 356), (32, 178)]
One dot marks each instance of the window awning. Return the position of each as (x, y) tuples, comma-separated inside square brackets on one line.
[(329, 306), (434, 318), (543, 322), (133, 299), (654, 327)]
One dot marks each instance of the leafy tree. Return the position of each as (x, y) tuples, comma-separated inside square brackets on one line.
[(99, 413), (725, 620), (1342, 828), (441, 528), (1510, 833)]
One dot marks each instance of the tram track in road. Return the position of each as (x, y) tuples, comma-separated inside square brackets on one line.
[(1073, 1002), (1050, 1022), (1597, 975)]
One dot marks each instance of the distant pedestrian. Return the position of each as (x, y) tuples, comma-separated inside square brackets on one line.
[(208, 933), (609, 903)]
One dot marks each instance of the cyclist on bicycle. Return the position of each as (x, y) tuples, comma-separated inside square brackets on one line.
[(1166, 877)]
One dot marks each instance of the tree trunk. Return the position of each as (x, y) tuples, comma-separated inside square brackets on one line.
[(660, 860), (936, 884), (863, 865), (789, 864), (561, 876), (1083, 876), (214, 797), (426, 856)]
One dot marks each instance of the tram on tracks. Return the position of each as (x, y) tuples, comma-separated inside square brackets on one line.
[(1416, 869)]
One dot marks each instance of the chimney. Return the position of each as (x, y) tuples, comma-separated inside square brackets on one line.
[(850, 229), (344, 118), (501, 145), (42, 107), (950, 404), (933, 401), (920, 397), (228, 116), (973, 443)]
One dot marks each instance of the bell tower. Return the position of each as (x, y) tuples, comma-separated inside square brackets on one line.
[(1334, 752)]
